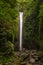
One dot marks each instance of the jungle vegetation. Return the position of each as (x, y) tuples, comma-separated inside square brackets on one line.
[(9, 25)]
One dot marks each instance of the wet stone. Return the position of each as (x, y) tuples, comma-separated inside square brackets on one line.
[(23, 63)]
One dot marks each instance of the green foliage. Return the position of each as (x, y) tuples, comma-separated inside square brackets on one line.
[(5, 60), (9, 21), (41, 26), (33, 24), (8, 25)]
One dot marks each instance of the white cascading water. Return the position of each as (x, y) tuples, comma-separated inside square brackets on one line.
[(21, 25)]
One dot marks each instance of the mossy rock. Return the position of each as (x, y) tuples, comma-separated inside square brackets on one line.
[(1, 64)]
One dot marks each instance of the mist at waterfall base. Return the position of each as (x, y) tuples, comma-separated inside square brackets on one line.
[(21, 25)]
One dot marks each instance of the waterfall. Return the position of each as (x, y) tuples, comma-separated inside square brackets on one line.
[(21, 25)]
